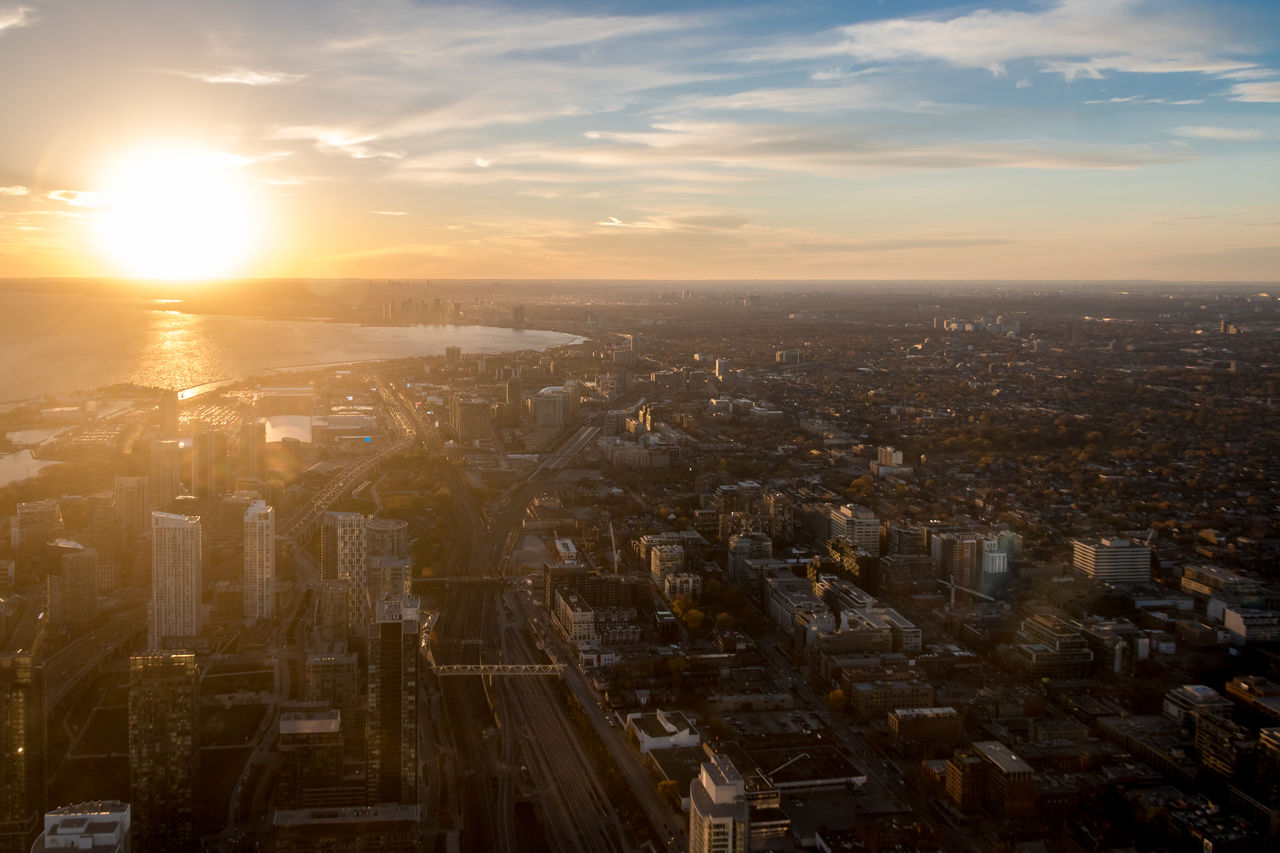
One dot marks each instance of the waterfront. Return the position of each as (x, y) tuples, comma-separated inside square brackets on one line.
[(59, 344)]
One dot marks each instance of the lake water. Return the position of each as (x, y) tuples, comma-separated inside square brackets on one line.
[(59, 343)]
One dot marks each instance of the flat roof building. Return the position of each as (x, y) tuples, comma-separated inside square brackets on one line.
[(100, 827), (1116, 560)]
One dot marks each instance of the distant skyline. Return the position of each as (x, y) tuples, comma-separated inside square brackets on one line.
[(1090, 139)]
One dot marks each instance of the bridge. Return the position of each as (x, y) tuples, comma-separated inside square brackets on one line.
[(489, 669)]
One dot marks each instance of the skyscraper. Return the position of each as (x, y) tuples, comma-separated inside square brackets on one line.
[(162, 750), (259, 561), (209, 464), (251, 450), (169, 422), (132, 506), (174, 612), (22, 759), (393, 702), (344, 554), (166, 474), (71, 601)]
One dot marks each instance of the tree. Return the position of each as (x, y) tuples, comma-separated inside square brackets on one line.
[(836, 700), (669, 791), (723, 621), (694, 619)]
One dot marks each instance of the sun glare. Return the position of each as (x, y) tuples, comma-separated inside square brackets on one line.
[(176, 213)]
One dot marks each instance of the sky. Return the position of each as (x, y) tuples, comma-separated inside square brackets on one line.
[(1060, 139)]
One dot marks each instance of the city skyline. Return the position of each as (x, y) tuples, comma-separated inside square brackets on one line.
[(1053, 140)]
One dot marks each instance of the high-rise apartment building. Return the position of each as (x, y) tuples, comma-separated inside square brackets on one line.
[(162, 750), (344, 554), (22, 752), (169, 421), (386, 537), (174, 611), (342, 544), (259, 561), (165, 481), (393, 702), (209, 464), (133, 506), (251, 451)]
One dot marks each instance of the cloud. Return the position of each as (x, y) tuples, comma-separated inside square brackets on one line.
[(241, 77), (1024, 83), (1265, 92), (12, 19), (1233, 134), (354, 144), (1074, 38), (389, 212), (1142, 99), (16, 190), (78, 198), (1251, 74)]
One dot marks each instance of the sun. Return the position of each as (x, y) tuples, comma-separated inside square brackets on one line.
[(176, 213)]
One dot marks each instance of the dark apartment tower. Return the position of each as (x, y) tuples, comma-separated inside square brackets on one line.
[(169, 414), (393, 702), (133, 505), (517, 317), (165, 482), (209, 464), (162, 750), (251, 451), (22, 759)]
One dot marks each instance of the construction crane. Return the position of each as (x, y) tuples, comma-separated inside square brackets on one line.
[(954, 586)]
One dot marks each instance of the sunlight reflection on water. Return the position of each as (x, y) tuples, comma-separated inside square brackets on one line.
[(53, 344)]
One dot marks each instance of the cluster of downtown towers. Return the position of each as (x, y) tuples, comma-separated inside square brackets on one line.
[(363, 608)]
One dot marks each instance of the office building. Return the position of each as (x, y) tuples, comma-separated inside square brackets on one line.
[(392, 728), (72, 589), (719, 816), (162, 749), (34, 524), (857, 524), (1115, 560), (1048, 647), (1008, 783), (251, 451), (470, 417), (176, 553), (165, 482), (100, 827), (22, 751), (1184, 703), (209, 467), (259, 561), (309, 744)]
